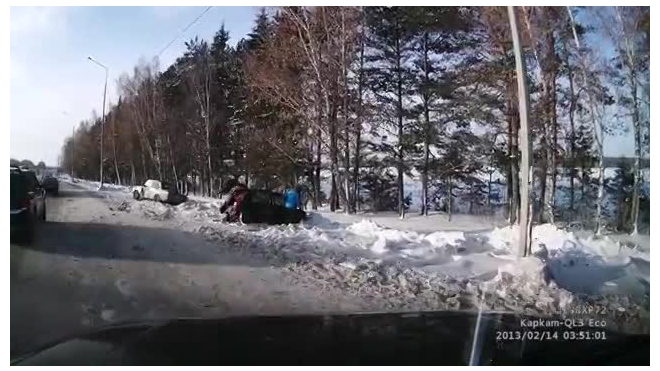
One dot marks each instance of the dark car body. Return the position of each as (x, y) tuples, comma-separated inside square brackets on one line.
[(28, 204), (262, 206), (51, 185), (412, 338), (173, 195)]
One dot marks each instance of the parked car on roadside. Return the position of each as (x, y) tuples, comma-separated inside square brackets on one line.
[(159, 192), (51, 185), (27, 204)]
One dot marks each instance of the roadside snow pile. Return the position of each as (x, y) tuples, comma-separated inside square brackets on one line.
[(94, 186), (457, 269), (408, 244), (434, 222), (592, 265), (368, 228), (200, 208), (418, 270)]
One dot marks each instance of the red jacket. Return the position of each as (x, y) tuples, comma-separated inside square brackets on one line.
[(236, 197)]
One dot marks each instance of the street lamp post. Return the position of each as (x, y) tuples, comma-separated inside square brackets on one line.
[(105, 87)]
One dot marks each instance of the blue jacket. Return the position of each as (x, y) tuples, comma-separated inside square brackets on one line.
[(291, 199)]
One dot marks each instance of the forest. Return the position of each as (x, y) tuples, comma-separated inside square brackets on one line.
[(371, 99)]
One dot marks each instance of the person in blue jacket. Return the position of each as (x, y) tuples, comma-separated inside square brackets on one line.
[(291, 198)]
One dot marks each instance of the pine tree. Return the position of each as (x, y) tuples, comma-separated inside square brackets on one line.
[(390, 43), (439, 33)]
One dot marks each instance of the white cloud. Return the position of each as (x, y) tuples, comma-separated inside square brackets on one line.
[(36, 20)]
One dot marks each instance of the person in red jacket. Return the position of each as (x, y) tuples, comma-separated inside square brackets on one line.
[(233, 205)]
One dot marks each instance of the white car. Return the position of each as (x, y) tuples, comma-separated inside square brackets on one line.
[(152, 190)]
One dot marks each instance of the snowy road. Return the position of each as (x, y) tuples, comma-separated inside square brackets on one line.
[(104, 257), (91, 266)]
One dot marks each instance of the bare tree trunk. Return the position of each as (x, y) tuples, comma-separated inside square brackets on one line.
[(114, 148), (346, 174), (449, 198), (155, 153), (334, 197), (551, 76), (601, 193), (541, 76), (526, 163), (142, 112), (347, 154), (425, 182), (515, 169), (427, 128), (207, 120), (317, 173), (597, 127), (547, 75), (356, 173), (400, 130), (543, 185), (157, 157), (169, 146), (571, 117), (583, 183), (632, 80), (358, 125), (509, 169), (553, 157), (490, 183), (204, 184), (638, 153), (133, 181), (145, 173)]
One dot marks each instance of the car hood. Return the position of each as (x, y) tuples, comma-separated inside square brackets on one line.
[(427, 338)]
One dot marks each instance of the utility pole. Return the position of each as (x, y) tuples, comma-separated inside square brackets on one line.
[(525, 221), (105, 87)]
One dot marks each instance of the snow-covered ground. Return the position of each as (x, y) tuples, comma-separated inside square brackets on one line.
[(431, 263)]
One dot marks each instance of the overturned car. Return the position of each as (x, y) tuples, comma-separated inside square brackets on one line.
[(266, 207), (161, 192)]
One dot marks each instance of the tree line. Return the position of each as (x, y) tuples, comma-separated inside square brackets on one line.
[(369, 99)]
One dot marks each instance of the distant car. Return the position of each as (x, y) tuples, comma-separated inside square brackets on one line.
[(51, 184), (27, 204), (159, 192)]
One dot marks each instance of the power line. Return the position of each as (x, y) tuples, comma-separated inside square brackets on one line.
[(184, 30)]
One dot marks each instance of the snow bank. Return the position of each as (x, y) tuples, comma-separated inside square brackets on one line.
[(435, 221), (94, 186), (409, 265), (591, 265), (405, 243), (581, 265)]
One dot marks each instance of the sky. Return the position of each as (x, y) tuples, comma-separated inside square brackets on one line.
[(53, 86)]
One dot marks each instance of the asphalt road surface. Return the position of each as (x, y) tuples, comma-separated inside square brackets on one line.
[(92, 266)]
